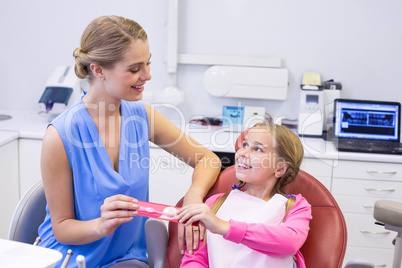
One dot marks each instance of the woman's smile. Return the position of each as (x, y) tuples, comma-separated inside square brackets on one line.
[(139, 89)]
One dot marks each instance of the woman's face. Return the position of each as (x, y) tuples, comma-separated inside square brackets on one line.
[(127, 78), (257, 159)]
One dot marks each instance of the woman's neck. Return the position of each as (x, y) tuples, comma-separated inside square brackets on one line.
[(101, 105)]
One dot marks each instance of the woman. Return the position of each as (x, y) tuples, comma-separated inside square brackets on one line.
[(259, 227), (91, 184)]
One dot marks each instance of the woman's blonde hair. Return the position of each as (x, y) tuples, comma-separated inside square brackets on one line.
[(104, 42), (290, 151)]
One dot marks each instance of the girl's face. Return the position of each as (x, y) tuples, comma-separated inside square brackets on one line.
[(127, 78), (257, 161)]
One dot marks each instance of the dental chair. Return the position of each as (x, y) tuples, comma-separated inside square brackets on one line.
[(326, 242), (388, 214), (28, 216)]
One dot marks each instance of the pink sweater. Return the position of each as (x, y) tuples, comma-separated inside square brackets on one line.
[(282, 240)]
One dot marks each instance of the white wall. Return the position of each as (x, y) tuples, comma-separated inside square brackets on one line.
[(37, 36), (358, 43)]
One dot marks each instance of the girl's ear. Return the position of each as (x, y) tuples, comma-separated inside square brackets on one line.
[(97, 70), (281, 169)]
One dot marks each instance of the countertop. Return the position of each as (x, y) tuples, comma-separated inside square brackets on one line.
[(7, 136), (28, 124), (32, 125)]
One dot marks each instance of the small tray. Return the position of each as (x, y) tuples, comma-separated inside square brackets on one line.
[(16, 255)]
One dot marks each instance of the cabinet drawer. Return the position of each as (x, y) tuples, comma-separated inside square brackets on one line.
[(363, 232), (368, 170), (381, 258), (9, 185), (362, 205), (29, 157), (317, 167), (367, 188)]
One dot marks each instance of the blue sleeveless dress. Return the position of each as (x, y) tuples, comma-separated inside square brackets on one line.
[(95, 179)]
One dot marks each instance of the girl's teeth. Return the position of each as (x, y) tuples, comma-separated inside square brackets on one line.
[(244, 166)]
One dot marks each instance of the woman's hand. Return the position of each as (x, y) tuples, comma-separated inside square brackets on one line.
[(190, 236), (116, 210), (203, 213)]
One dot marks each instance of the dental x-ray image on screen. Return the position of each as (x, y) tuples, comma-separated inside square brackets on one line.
[(367, 126)]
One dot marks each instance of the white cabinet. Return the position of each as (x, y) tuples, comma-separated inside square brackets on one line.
[(29, 159), (169, 178), (356, 187), (9, 185), (320, 169)]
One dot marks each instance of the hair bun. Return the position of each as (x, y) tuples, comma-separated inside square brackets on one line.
[(80, 68)]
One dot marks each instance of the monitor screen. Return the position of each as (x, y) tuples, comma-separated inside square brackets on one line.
[(367, 119)]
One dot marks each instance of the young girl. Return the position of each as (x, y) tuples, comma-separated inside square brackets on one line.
[(91, 183), (259, 227)]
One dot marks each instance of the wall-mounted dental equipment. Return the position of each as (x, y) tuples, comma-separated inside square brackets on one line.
[(247, 82), (62, 88), (229, 76), (172, 93)]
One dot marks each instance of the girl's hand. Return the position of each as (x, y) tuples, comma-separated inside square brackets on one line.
[(203, 213), (116, 210)]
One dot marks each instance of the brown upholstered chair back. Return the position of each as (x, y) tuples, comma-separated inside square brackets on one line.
[(326, 242)]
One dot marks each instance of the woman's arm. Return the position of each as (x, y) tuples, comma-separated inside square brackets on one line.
[(58, 184), (205, 163), (282, 240)]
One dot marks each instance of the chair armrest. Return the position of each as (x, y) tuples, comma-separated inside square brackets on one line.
[(157, 242)]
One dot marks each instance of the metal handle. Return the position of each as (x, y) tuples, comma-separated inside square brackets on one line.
[(37, 241), (374, 233), (379, 190), (67, 258), (381, 172), (368, 206)]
